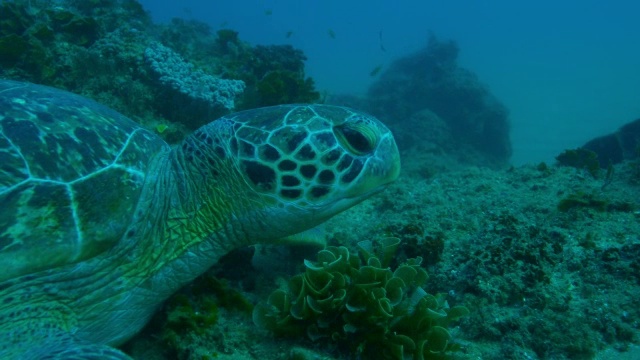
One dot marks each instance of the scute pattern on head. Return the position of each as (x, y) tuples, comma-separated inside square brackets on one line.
[(307, 154), (72, 172)]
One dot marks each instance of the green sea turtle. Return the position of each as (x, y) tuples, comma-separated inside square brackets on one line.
[(101, 220)]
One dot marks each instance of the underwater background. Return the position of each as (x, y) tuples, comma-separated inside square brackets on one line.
[(518, 126), (566, 70)]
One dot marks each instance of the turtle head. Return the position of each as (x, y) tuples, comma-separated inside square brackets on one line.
[(310, 162)]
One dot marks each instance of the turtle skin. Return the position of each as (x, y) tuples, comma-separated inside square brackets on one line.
[(101, 220)]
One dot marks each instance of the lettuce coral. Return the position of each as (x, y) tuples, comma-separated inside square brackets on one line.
[(360, 303)]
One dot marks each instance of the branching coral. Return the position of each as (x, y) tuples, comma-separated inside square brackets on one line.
[(360, 303)]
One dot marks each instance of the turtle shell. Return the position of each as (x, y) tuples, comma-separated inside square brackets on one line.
[(71, 173)]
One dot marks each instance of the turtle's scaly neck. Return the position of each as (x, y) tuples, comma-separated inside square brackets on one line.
[(185, 221), (200, 201)]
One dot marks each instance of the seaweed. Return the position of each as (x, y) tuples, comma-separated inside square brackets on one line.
[(362, 305), (580, 159)]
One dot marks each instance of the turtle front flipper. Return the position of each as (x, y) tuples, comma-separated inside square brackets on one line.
[(72, 350), (45, 326), (49, 342)]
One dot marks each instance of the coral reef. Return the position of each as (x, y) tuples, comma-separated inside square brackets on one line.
[(431, 80), (284, 87), (174, 77), (191, 91), (541, 281), (275, 74), (361, 304), (38, 39), (614, 148)]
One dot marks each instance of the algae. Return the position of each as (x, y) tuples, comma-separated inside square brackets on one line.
[(359, 303)]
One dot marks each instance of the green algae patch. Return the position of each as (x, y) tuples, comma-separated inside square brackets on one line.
[(185, 316), (580, 159), (196, 310), (582, 200), (360, 303)]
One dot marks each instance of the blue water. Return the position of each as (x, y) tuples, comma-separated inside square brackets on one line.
[(567, 70)]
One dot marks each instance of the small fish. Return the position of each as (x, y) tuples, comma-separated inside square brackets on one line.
[(332, 34), (268, 12), (288, 34), (375, 71), (380, 38)]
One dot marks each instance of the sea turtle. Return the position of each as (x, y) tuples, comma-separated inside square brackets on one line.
[(101, 220)]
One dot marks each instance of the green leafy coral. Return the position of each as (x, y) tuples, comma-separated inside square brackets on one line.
[(360, 303)]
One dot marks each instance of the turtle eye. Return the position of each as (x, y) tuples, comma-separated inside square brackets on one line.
[(356, 137)]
